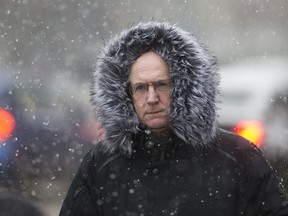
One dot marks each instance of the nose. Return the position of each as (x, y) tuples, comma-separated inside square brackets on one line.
[(152, 96)]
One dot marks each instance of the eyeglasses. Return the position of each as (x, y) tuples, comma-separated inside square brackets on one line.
[(142, 88)]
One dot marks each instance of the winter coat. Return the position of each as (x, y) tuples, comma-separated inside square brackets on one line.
[(199, 170), (230, 178)]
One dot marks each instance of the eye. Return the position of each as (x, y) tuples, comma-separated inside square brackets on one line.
[(162, 85), (139, 88)]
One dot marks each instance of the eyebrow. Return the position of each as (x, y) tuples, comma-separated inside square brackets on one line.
[(160, 80)]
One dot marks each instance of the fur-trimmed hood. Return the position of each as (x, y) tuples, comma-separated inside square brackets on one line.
[(194, 79)]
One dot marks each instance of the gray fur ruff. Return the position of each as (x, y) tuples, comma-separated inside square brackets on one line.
[(194, 77)]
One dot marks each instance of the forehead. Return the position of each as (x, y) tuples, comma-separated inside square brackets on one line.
[(149, 67)]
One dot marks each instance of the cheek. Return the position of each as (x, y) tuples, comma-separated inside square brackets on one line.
[(166, 101), (138, 106)]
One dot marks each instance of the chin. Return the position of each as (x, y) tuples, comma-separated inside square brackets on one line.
[(156, 125)]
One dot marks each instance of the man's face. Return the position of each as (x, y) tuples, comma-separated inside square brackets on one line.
[(150, 89)]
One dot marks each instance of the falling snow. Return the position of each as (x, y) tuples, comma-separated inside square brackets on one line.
[(48, 49)]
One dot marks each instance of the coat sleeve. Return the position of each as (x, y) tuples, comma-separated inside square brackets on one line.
[(265, 195), (80, 200)]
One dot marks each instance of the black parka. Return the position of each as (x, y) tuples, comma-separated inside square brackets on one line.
[(231, 178), (199, 170)]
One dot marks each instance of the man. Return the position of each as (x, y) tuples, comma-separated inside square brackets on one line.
[(154, 91)]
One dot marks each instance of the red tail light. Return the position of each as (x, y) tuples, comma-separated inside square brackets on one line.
[(251, 130), (7, 124)]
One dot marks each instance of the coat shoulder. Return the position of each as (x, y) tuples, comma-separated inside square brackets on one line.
[(96, 159), (240, 150), (230, 141)]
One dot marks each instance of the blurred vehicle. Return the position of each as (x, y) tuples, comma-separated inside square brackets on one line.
[(46, 127), (254, 104)]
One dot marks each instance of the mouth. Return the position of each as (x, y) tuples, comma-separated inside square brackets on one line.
[(154, 112)]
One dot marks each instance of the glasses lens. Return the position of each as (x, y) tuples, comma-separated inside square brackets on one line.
[(142, 88), (162, 85), (139, 88)]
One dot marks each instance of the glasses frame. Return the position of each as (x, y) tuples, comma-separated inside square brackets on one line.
[(158, 86)]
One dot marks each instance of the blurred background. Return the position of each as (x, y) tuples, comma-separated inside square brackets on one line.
[(48, 47)]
